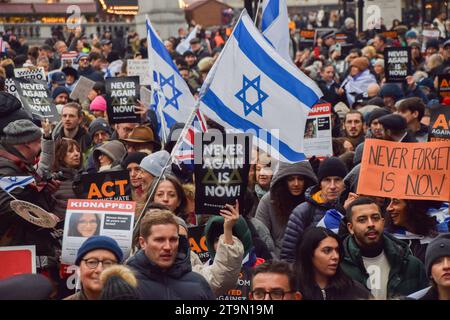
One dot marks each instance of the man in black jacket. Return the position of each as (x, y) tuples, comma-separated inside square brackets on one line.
[(163, 266)]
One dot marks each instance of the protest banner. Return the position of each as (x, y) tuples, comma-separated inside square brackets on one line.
[(439, 128), (17, 260), (35, 96), (140, 68), (10, 87), (341, 38), (112, 185), (243, 286), (197, 241), (68, 59), (405, 170), (391, 34), (146, 96), (121, 96), (397, 64), (32, 73), (317, 137), (85, 218), (307, 38), (443, 86), (82, 89), (221, 166)]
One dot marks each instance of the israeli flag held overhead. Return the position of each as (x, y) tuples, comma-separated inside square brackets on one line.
[(253, 89), (184, 44), (171, 96), (275, 26)]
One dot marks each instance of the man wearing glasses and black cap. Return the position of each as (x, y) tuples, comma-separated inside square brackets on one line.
[(274, 280)]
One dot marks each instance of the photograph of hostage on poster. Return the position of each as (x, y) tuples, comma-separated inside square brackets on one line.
[(317, 136), (86, 218)]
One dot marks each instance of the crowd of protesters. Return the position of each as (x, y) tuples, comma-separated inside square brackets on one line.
[(280, 239)]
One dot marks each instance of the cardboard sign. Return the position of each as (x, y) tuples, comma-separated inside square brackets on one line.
[(439, 129), (221, 167), (112, 185), (85, 218), (444, 86), (82, 89), (141, 68), (17, 260), (122, 95), (405, 170), (391, 34), (397, 64), (34, 214), (146, 96), (307, 38), (32, 73), (35, 96), (317, 137), (197, 241)]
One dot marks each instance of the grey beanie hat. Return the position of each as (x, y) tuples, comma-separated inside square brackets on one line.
[(20, 132), (438, 247), (154, 163), (181, 222), (113, 149)]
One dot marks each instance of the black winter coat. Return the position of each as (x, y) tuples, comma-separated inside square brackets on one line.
[(178, 282), (304, 215), (355, 292)]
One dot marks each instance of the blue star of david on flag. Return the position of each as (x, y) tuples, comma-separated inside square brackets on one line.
[(261, 95), (170, 81)]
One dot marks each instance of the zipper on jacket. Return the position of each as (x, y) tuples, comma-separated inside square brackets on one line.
[(324, 294)]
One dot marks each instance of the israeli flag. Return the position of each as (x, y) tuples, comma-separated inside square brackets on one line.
[(184, 44), (172, 98), (275, 26), (253, 89), (12, 182), (331, 220)]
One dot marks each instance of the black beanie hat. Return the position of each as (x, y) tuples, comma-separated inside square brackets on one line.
[(437, 248), (11, 110), (377, 113), (332, 167), (133, 157)]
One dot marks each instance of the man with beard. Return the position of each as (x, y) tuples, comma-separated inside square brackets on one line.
[(353, 127), (377, 260)]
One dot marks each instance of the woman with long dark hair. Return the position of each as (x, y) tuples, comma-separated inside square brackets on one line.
[(408, 221), (169, 192), (318, 267), (287, 190)]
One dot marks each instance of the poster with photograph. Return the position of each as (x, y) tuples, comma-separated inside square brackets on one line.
[(317, 137), (86, 218)]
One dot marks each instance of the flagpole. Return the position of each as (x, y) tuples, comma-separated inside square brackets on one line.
[(257, 11)]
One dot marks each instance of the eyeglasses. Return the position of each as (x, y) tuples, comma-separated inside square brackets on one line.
[(86, 222), (275, 294), (93, 263)]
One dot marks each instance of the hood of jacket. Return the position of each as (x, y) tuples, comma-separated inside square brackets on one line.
[(114, 149), (301, 168), (214, 228), (180, 267), (309, 198)]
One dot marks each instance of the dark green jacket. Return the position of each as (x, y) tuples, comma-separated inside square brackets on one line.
[(407, 274)]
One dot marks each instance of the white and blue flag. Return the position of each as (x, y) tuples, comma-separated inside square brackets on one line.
[(171, 96), (12, 182), (253, 89), (275, 26), (184, 44)]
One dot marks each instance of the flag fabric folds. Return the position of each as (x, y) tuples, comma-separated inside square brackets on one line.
[(12, 182), (275, 26), (184, 44), (253, 89)]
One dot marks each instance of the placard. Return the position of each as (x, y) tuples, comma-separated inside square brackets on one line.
[(17, 260), (307, 38), (32, 73), (121, 96), (197, 241), (439, 129), (68, 60), (146, 96), (221, 167), (35, 96), (317, 137), (86, 218), (141, 68), (397, 64), (82, 89), (110, 185), (444, 86), (405, 170)]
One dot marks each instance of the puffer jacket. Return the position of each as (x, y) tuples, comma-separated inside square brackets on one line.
[(223, 273), (355, 292), (306, 214), (407, 273), (266, 212), (178, 282)]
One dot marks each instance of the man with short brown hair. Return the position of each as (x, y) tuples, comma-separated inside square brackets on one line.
[(162, 266)]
